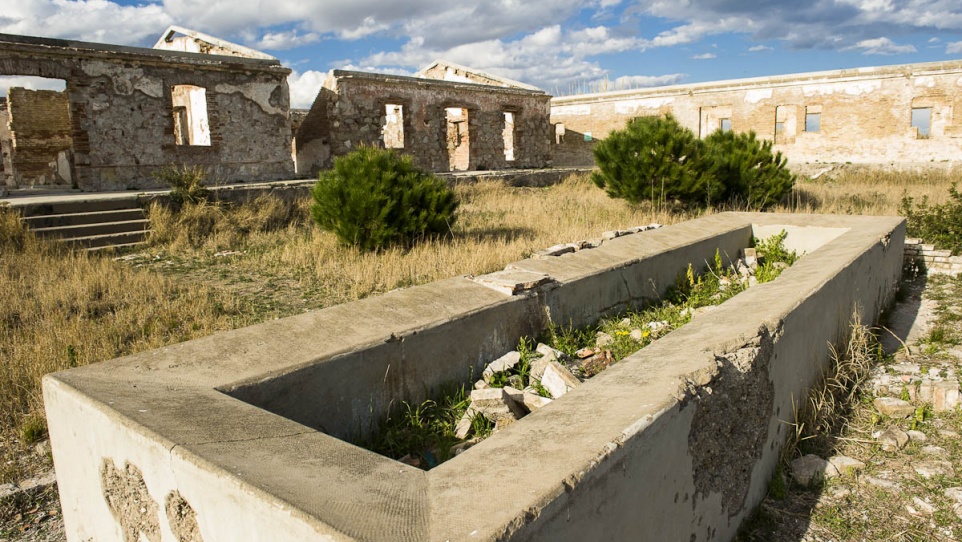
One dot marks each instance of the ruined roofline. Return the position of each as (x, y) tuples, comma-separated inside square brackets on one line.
[(446, 64), (52, 47), (409, 80), (244, 52), (819, 77)]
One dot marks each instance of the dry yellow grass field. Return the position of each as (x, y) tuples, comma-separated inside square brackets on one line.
[(211, 269)]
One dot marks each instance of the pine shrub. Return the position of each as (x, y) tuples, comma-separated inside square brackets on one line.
[(748, 170), (654, 159), (940, 224), (658, 159), (375, 198)]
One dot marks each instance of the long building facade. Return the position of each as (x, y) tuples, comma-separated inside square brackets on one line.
[(892, 114)]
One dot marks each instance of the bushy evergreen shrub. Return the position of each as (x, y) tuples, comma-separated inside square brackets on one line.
[(940, 225), (655, 159), (375, 198), (658, 159), (750, 173)]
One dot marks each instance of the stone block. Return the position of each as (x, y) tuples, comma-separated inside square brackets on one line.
[(504, 363), (893, 407), (945, 395), (892, 439), (809, 470), (558, 380)]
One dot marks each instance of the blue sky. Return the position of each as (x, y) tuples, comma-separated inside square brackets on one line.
[(562, 46)]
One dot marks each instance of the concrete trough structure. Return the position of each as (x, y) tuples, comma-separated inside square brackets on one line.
[(237, 436)]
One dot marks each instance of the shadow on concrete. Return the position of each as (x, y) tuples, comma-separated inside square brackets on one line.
[(906, 320)]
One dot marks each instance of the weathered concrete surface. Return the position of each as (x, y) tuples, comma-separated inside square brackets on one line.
[(677, 442), (122, 115), (864, 114)]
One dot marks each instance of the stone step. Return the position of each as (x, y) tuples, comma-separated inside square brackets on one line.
[(123, 246), (76, 219), (81, 231), (74, 206), (109, 240)]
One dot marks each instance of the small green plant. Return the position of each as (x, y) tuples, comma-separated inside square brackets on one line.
[(376, 198), (186, 183), (33, 429), (940, 225)]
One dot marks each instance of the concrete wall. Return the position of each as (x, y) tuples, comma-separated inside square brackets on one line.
[(865, 114), (676, 442), (350, 111), (122, 117)]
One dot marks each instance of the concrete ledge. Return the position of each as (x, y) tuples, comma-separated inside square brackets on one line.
[(234, 436)]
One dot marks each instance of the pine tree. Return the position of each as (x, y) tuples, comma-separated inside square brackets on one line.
[(750, 173), (375, 198), (655, 159)]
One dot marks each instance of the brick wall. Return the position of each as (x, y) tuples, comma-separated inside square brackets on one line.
[(40, 134)]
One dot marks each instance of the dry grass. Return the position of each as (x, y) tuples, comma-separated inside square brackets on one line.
[(60, 309), (869, 191)]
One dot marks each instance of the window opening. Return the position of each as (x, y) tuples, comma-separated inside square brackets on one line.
[(191, 126), (922, 121), (458, 138), (725, 125), (392, 129), (508, 135), (36, 132), (813, 119)]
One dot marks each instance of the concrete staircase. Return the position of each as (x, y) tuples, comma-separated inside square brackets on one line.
[(90, 224)]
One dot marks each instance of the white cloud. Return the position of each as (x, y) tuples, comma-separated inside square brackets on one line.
[(704, 56), (953, 48), (638, 81), (87, 20), (34, 83), (881, 46), (279, 41), (759, 48), (304, 87)]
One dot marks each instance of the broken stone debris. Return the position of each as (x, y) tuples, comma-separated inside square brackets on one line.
[(892, 439), (893, 407), (558, 250)]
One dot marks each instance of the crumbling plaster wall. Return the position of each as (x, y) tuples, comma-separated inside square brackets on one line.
[(350, 111), (122, 115), (865, 114)]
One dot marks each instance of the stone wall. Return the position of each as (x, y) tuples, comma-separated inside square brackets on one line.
[(40, 137), (351, 110), (860, 115), (122, 111), (932, 261)]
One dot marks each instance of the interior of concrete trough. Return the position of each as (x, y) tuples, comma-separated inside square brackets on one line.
[(243, 425)]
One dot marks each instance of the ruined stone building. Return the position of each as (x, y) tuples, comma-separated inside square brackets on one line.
[(127, 112), (448, 117), (909, 113)]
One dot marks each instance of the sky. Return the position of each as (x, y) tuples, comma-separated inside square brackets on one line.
[(562, 46)]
